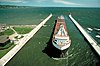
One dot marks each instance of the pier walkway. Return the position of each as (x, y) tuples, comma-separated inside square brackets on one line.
[(22, 42), (92, 42)]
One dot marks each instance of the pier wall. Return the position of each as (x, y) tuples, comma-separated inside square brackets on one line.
[(22, 42), (92, 42)]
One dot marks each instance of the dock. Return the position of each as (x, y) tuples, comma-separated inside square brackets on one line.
[(22, 42), (92, 42)]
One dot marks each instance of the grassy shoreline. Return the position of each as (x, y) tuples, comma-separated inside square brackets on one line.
[(4, 50), (23, 30), (9, 46)]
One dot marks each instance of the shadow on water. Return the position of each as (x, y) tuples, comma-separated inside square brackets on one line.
[(52, 51), (92, 49), (96, 54)]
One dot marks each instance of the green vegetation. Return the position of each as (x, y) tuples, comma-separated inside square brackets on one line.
[(7, 32), (9, 46), (79, 53), (5, 49), (23, 30), (19, 37), (6, 46)]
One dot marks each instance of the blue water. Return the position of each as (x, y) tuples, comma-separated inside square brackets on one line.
[(80, 53)]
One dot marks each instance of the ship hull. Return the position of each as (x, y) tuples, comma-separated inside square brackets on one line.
[(60, 48), (60, 39)]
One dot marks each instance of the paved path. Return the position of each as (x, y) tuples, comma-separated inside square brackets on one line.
[(11, 27), (22, 42), (92, 42)]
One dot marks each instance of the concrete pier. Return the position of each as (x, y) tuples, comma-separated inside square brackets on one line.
[(92, 42), (22, 42)]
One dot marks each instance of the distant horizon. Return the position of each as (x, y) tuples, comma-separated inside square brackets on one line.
[(52, 3), (48, 6)]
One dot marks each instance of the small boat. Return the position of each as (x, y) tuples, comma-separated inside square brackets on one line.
[(60, 38)]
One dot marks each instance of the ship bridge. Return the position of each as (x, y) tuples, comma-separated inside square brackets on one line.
[(61, 32), (61, 37)]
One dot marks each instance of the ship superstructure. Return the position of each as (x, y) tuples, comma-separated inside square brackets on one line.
[(61, 38)]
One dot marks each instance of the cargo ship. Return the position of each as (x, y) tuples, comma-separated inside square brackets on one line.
[(61, 39)]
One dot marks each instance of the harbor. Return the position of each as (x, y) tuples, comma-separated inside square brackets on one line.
[(80, 53), (22, 42), (92, 42)]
